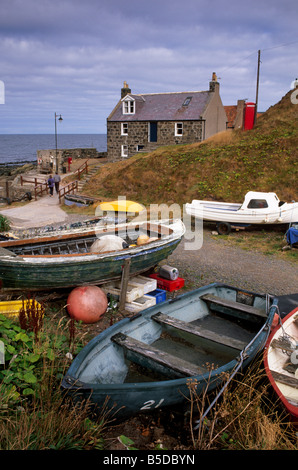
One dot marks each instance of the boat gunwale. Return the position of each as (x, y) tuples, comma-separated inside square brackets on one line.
[(84, 234), (172, 236), (206, 377), (292, 409), (118, 254)]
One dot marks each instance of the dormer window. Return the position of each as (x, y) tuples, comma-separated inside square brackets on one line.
[(128, 105)]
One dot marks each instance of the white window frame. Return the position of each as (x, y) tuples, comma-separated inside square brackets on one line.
[(178, 129), (128, 106), (124, 128), (124, 151)]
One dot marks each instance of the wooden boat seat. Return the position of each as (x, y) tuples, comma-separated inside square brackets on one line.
[(230, 304), (285, 379), (159, 361), (199, 331)]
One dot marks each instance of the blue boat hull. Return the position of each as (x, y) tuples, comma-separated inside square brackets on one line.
[(109, 363)]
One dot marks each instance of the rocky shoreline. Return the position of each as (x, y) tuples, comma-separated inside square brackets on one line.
[(10, 170)]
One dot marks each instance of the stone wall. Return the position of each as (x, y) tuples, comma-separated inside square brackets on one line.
[(46, 159), (138, 136)]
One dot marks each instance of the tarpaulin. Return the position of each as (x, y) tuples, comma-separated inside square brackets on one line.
[(292, 236)]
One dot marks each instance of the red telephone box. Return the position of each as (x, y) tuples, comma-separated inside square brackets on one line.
[(249, 117), (69, 162)]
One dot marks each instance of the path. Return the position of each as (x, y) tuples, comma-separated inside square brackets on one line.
[(44, 211)]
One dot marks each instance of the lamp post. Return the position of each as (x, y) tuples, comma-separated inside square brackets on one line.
[(60, 119)]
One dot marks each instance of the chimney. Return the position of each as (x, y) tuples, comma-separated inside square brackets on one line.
[(125, 90), (214, 85)]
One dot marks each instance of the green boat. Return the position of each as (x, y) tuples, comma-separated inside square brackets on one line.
[(69, 259), (147, 361)]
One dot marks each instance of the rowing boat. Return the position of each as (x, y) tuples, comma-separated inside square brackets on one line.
[(71, 259), (148, 361), (281, 362)]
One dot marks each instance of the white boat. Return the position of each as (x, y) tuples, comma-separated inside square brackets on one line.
[(257, 208)]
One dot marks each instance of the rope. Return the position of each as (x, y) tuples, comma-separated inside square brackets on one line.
[(241, 359)]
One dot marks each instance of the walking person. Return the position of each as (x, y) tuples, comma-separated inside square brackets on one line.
[(51, 184), (57, 180)]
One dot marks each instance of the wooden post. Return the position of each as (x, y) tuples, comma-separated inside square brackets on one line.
[(257, 86), (124, 283)]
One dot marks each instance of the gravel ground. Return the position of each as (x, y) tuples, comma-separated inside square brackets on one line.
[(218, 261)]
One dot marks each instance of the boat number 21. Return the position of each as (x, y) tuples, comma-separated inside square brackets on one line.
[(148, 405)]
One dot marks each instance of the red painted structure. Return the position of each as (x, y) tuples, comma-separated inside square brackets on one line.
[(249, 116)]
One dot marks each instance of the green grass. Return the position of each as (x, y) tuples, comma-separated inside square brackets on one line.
[(268, 242)]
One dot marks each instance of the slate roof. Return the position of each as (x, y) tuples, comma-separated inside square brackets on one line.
[(164, 107)]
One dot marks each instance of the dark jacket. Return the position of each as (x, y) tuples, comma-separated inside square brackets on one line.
[(51, 182)]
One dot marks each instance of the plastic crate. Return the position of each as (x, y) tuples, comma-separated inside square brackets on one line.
[(133, 291), (144, 282), (140, 304), (159, 294), (168, 285)]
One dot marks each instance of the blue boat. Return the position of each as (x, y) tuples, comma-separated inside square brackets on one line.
[(146, 362)]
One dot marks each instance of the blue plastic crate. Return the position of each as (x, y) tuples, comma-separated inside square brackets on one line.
[(159, 294)]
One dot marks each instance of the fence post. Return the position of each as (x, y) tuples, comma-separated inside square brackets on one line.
[(124, 283)]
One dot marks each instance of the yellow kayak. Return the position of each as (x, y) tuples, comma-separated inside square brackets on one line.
[(120, 205)]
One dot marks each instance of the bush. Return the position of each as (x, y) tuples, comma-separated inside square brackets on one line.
[(4, 223)]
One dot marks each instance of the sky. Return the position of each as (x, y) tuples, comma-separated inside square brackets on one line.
[(71, 57)]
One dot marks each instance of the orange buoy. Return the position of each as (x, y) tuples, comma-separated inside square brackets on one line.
[(87, 303), (275, 321)]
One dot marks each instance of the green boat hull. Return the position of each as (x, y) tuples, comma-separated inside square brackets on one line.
[(19, 274), (68, 259)]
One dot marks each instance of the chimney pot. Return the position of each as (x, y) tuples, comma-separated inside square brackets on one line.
[(125, 90)]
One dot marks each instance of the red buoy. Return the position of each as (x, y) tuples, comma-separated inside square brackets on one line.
[(87, 304)]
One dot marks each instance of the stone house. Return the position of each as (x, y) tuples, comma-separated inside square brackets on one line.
[(143, 122)]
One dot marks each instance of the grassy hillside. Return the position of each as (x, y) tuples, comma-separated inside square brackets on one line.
[(223, 168)]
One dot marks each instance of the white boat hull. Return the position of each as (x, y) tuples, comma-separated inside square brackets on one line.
[(273, 212), (281, 364), (259, 216)]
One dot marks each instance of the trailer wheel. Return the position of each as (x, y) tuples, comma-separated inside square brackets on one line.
[(223, 228)]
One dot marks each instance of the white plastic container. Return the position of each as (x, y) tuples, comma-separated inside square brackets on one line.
[(140, 304), (133, 291), (146, 283)]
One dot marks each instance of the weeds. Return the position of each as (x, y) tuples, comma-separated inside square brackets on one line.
[(4, 223), (33, 413), (50, 423), (246, 417)]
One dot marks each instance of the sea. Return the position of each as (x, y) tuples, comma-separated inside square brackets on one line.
[(18, 149)]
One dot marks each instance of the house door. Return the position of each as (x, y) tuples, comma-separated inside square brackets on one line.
[(153, 132)]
